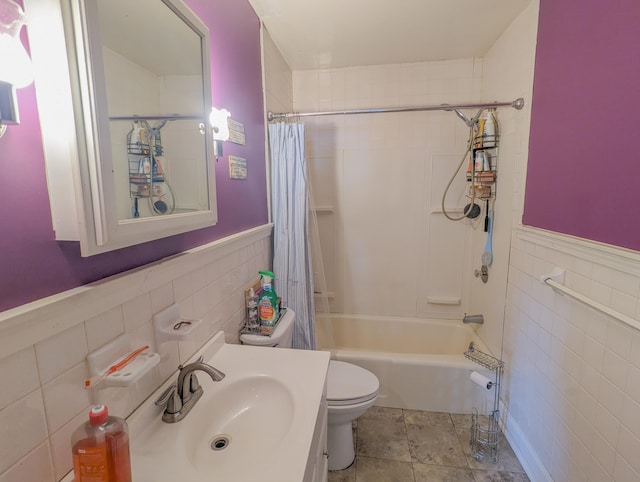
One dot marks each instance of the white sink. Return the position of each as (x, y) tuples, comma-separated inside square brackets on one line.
[(244, 416), (259, 419)]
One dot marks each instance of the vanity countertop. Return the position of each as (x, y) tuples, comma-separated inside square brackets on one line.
[(266, 406)]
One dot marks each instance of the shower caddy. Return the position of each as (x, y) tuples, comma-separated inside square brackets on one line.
[(146, 177), (485, 436), (485, 146)]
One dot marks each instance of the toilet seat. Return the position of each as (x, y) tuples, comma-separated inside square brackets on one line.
[(349, 384)]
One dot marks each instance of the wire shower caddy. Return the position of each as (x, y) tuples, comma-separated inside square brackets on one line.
[(485, 435)]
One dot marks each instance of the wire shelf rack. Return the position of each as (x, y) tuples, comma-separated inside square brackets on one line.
[(485, 431), (482, 358)]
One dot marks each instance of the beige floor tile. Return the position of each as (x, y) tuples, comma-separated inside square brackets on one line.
[(461, 420), (346, 475), (383, 414), (428, 419), (498, 476), (383, 440), (436, 473), (398, 445), (378, 470), (435, 446)]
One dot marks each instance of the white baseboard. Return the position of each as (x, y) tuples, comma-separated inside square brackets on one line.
[(527, 456)]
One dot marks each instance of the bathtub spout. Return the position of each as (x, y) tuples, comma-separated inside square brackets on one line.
[(473, 319)]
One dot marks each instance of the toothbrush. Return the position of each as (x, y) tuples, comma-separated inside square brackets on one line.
[(487, 255), (92, 382)]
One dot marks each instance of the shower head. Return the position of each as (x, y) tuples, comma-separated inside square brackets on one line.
[(470, 122), (464, 118)]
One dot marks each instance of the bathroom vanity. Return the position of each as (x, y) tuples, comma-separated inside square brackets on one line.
[(266, 420)]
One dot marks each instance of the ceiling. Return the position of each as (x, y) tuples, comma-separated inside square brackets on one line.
[(151, 35), (316, 34)]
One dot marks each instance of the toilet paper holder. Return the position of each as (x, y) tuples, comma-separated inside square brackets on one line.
[(485, 435)]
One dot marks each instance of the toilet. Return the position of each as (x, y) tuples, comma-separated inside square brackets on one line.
[(351, 390)]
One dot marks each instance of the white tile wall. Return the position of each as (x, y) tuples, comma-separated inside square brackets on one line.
[(378, 180), (43, 397), (579, 411), (277, 77), (507, 74)]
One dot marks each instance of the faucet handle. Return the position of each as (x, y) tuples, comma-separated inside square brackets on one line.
[(194, 384), (170, 399), (199, 360)]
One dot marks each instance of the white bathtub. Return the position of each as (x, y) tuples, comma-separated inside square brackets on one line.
[(419, 362)]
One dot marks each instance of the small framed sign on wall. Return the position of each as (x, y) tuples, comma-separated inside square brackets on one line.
[(237, 167), (236, 132)]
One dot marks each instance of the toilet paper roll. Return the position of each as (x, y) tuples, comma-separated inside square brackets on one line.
[(480, 380)]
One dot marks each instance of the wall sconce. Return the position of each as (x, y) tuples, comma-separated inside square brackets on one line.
[(218, 120), (15, 68)]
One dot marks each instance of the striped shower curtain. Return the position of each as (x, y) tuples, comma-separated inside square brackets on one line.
[(291, 243)]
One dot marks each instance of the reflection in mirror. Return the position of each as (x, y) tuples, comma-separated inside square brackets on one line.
[(124, 90), (154, 80)]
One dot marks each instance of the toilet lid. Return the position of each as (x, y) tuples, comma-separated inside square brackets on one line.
[(350, 384)]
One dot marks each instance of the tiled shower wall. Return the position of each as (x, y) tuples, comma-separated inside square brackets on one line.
[(278, 81), (43, 400), (377, 181)]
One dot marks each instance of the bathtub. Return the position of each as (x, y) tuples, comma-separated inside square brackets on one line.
[(419, 362)]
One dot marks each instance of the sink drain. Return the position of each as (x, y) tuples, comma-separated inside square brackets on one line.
[(220, 442)]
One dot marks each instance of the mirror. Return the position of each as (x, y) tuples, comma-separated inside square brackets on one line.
[(138, 76), (155, 101)]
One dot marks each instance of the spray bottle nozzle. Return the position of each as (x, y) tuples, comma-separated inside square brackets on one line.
[(266, 275)]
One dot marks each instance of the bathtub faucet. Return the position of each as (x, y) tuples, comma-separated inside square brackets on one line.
[(473, 319)]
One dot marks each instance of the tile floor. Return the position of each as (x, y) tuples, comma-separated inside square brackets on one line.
[(396, 445)]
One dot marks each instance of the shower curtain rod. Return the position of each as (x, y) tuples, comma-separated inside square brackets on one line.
[(516, 104)]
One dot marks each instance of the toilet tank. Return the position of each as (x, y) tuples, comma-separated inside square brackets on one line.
[(280, 338)]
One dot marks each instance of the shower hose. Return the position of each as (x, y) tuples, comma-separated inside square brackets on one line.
[(473, 173)]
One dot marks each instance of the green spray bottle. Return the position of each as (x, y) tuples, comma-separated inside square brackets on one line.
[(268, 303)]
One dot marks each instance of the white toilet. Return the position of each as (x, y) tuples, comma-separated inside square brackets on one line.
[(351, 390)]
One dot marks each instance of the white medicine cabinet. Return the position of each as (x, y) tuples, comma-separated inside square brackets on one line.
[(124, 91)]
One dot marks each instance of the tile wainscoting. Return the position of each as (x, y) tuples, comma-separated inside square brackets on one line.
[(44, 344), (572, 375)]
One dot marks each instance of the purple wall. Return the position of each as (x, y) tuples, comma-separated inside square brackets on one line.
[(34, 265), (582, 176)]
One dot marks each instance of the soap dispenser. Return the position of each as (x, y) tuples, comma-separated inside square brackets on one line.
[(100, 448)]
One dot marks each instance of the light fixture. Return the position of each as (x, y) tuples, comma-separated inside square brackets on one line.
[(15, 68), (220, 125)]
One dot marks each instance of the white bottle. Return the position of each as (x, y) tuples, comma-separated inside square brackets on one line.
[(134, 138), (480, 161), (489, 134), (486, 161)]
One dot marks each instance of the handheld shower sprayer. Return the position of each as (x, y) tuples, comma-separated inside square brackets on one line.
[(471, 210)]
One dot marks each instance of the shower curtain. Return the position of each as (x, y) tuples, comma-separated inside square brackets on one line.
[(291, 242)]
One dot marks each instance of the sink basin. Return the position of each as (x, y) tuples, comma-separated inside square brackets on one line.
[(256, 424), (243, 416)]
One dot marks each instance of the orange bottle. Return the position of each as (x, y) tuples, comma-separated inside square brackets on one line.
[(101, 448)]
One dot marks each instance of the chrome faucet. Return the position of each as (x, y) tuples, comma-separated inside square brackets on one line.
[(473, 319), (181, 397)]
